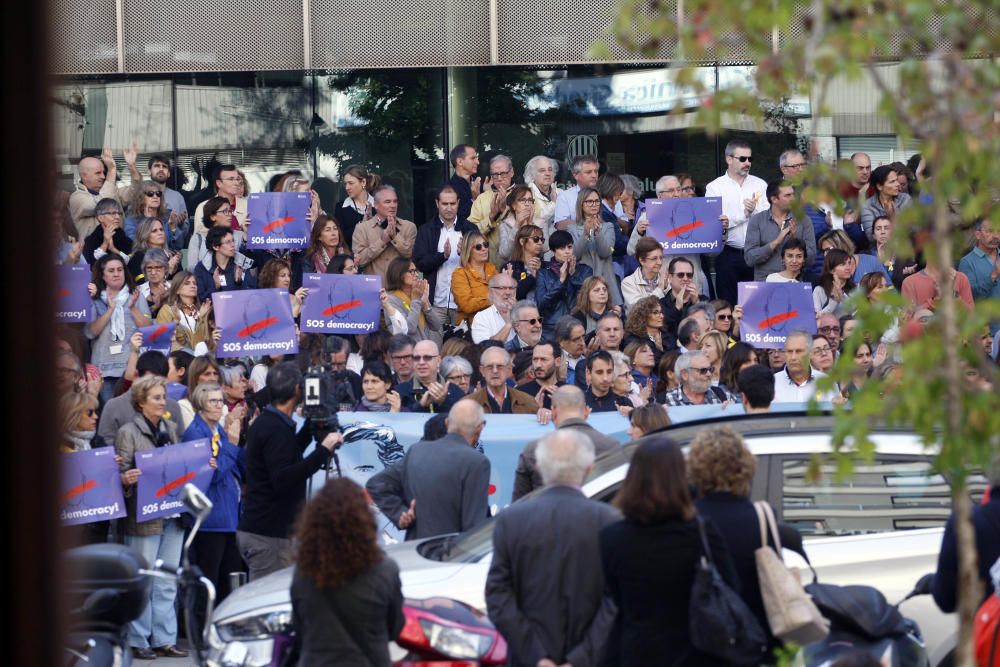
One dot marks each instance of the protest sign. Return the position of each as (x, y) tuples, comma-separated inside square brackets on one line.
[(91, 487), (165, 471), (254, 323), (341, 304), (771, 311), (157, 337), (73, 302), (687, 225), (278, 220)]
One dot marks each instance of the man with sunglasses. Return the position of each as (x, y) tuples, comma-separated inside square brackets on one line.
[(527, 326), (428, 391), (694, 376), (742, 195), (681, 295)]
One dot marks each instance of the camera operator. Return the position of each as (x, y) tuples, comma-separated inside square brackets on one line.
[(277, 474), (338, 350)]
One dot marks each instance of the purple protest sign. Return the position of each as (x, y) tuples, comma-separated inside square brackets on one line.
[(165, 471), (771, 311), (73, 302), (278, 220), (254, 322), (157, 337), (91, 487), (341, 304), (687, 225)]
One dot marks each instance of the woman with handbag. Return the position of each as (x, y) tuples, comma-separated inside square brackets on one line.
[(650, 559), (720, 467)]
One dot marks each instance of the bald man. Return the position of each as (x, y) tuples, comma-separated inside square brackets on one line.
[(440, 486), (428, 391), (569, 411), (496, 397), (97, 181)]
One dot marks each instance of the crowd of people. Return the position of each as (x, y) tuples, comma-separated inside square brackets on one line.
[(516, 298)]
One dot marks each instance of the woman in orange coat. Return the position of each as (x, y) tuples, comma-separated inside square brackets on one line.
[(470, 281)]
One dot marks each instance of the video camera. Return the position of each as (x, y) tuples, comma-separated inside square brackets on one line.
[(326, 392)]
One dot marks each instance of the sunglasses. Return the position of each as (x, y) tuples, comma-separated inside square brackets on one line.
[(533, 321), (91, 412), (684, 275), (724, 318), (537, 239), (154, 193), (481, 246), (743, 158), (424, 357), (702, 371)]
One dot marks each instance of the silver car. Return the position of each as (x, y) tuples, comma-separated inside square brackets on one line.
[(881, 527)]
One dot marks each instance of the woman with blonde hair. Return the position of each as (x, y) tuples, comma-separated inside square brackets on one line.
[(714, 344), (593, 301), (470, 281), (78, 410), (357, 203)]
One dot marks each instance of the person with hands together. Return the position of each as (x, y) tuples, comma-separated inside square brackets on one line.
[(594, 241), (495, 322), (107, 237), (769, 230), (384, 237), (428, 391), (410, 295), (492, 207), (526, 259), (154, 633), (376, 384), (521, 204), (220, 271)]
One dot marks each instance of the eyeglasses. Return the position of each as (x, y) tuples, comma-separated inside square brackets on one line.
[(498, 174), (154, 267), (91, 412), (829, 329), (702, 371), (224, 211), (797, 165), (533, 321), (116, 214), (724, 318), (214, 401), (412, 271), (822, 350), (743, 158), (458, 378), (684, 275), (687, 188), (481, 246), (493, 367), (154, 193), (504, 288), (592, 201), (401, 357), (537, 239), (232, 179), (425, 357), (526, 200)]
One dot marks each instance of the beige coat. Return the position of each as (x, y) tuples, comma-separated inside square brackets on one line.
[(375, 255)]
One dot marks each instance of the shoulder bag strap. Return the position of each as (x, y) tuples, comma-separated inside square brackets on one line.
[(704, 540), (761, 522), (773, 524)]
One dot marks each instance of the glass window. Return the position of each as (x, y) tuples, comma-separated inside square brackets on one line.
[(892, 493)]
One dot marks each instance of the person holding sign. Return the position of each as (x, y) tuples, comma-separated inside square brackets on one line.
[(157, 538), (768, 230), (384, 237), (182, 308), (215, 548)]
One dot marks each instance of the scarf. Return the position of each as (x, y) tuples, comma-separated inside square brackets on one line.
[(321, 260), (117, 317), (81, 439), (372, 406), (421, 322)]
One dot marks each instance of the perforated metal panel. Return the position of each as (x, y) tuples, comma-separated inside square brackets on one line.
[(222, 35), (399, 33), (532, 33), (86, 37)]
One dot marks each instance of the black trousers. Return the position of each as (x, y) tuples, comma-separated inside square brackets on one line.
[(217, 555), (729, 270)]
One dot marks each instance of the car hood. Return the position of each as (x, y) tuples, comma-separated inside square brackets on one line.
[(272, 590)]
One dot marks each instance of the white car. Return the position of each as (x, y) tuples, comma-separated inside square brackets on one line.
[(881, 527)]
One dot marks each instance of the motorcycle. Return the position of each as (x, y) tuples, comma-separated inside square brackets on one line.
[(109, 587)]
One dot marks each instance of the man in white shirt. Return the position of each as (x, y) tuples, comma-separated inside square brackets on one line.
[(796, 382), (495, 322), (742, 196), (436, 251)]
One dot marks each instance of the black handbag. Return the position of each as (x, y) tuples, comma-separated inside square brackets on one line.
[(720, 622)]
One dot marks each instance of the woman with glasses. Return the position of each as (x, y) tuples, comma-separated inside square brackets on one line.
[(147, 202), (79, 413), (643, 363), (611, 187), (108, 237), (560, 282), (410, 294), (376, 388), (215, 549), (645, 323), (217, 213), (822, 354), (714, 344), (687, 186), (727, 319), (521, 204), (623, 384), (154, 270), (594, 240), (526, 259), (648, 279), (470, 281), (458, 371)]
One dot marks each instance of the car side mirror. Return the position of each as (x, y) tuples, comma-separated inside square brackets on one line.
[(196, 502)]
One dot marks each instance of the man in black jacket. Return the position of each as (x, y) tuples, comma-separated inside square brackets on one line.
[(436, 251), (277, 474), (545, 588)]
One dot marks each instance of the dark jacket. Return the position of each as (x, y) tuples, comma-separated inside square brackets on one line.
[(449, 481), (425, 248), (544, 591), (277, 473), (347, 219), (671, 316), (410, 393), (556, 299), (464, 189), (986, 523), (525, 281), (206, 282), (262, 256), (230, 471), (96, 238), (649, 569), (526, 477), (351, 625), (736, 519)]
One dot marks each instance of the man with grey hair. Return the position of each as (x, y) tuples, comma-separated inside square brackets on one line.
[(742, 195), (569, 411), (796, 382), (495, 322), (545, 587), (439, 486), (527, 325), (490, 208), (496, 397), (694, 376), (383, 237)]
